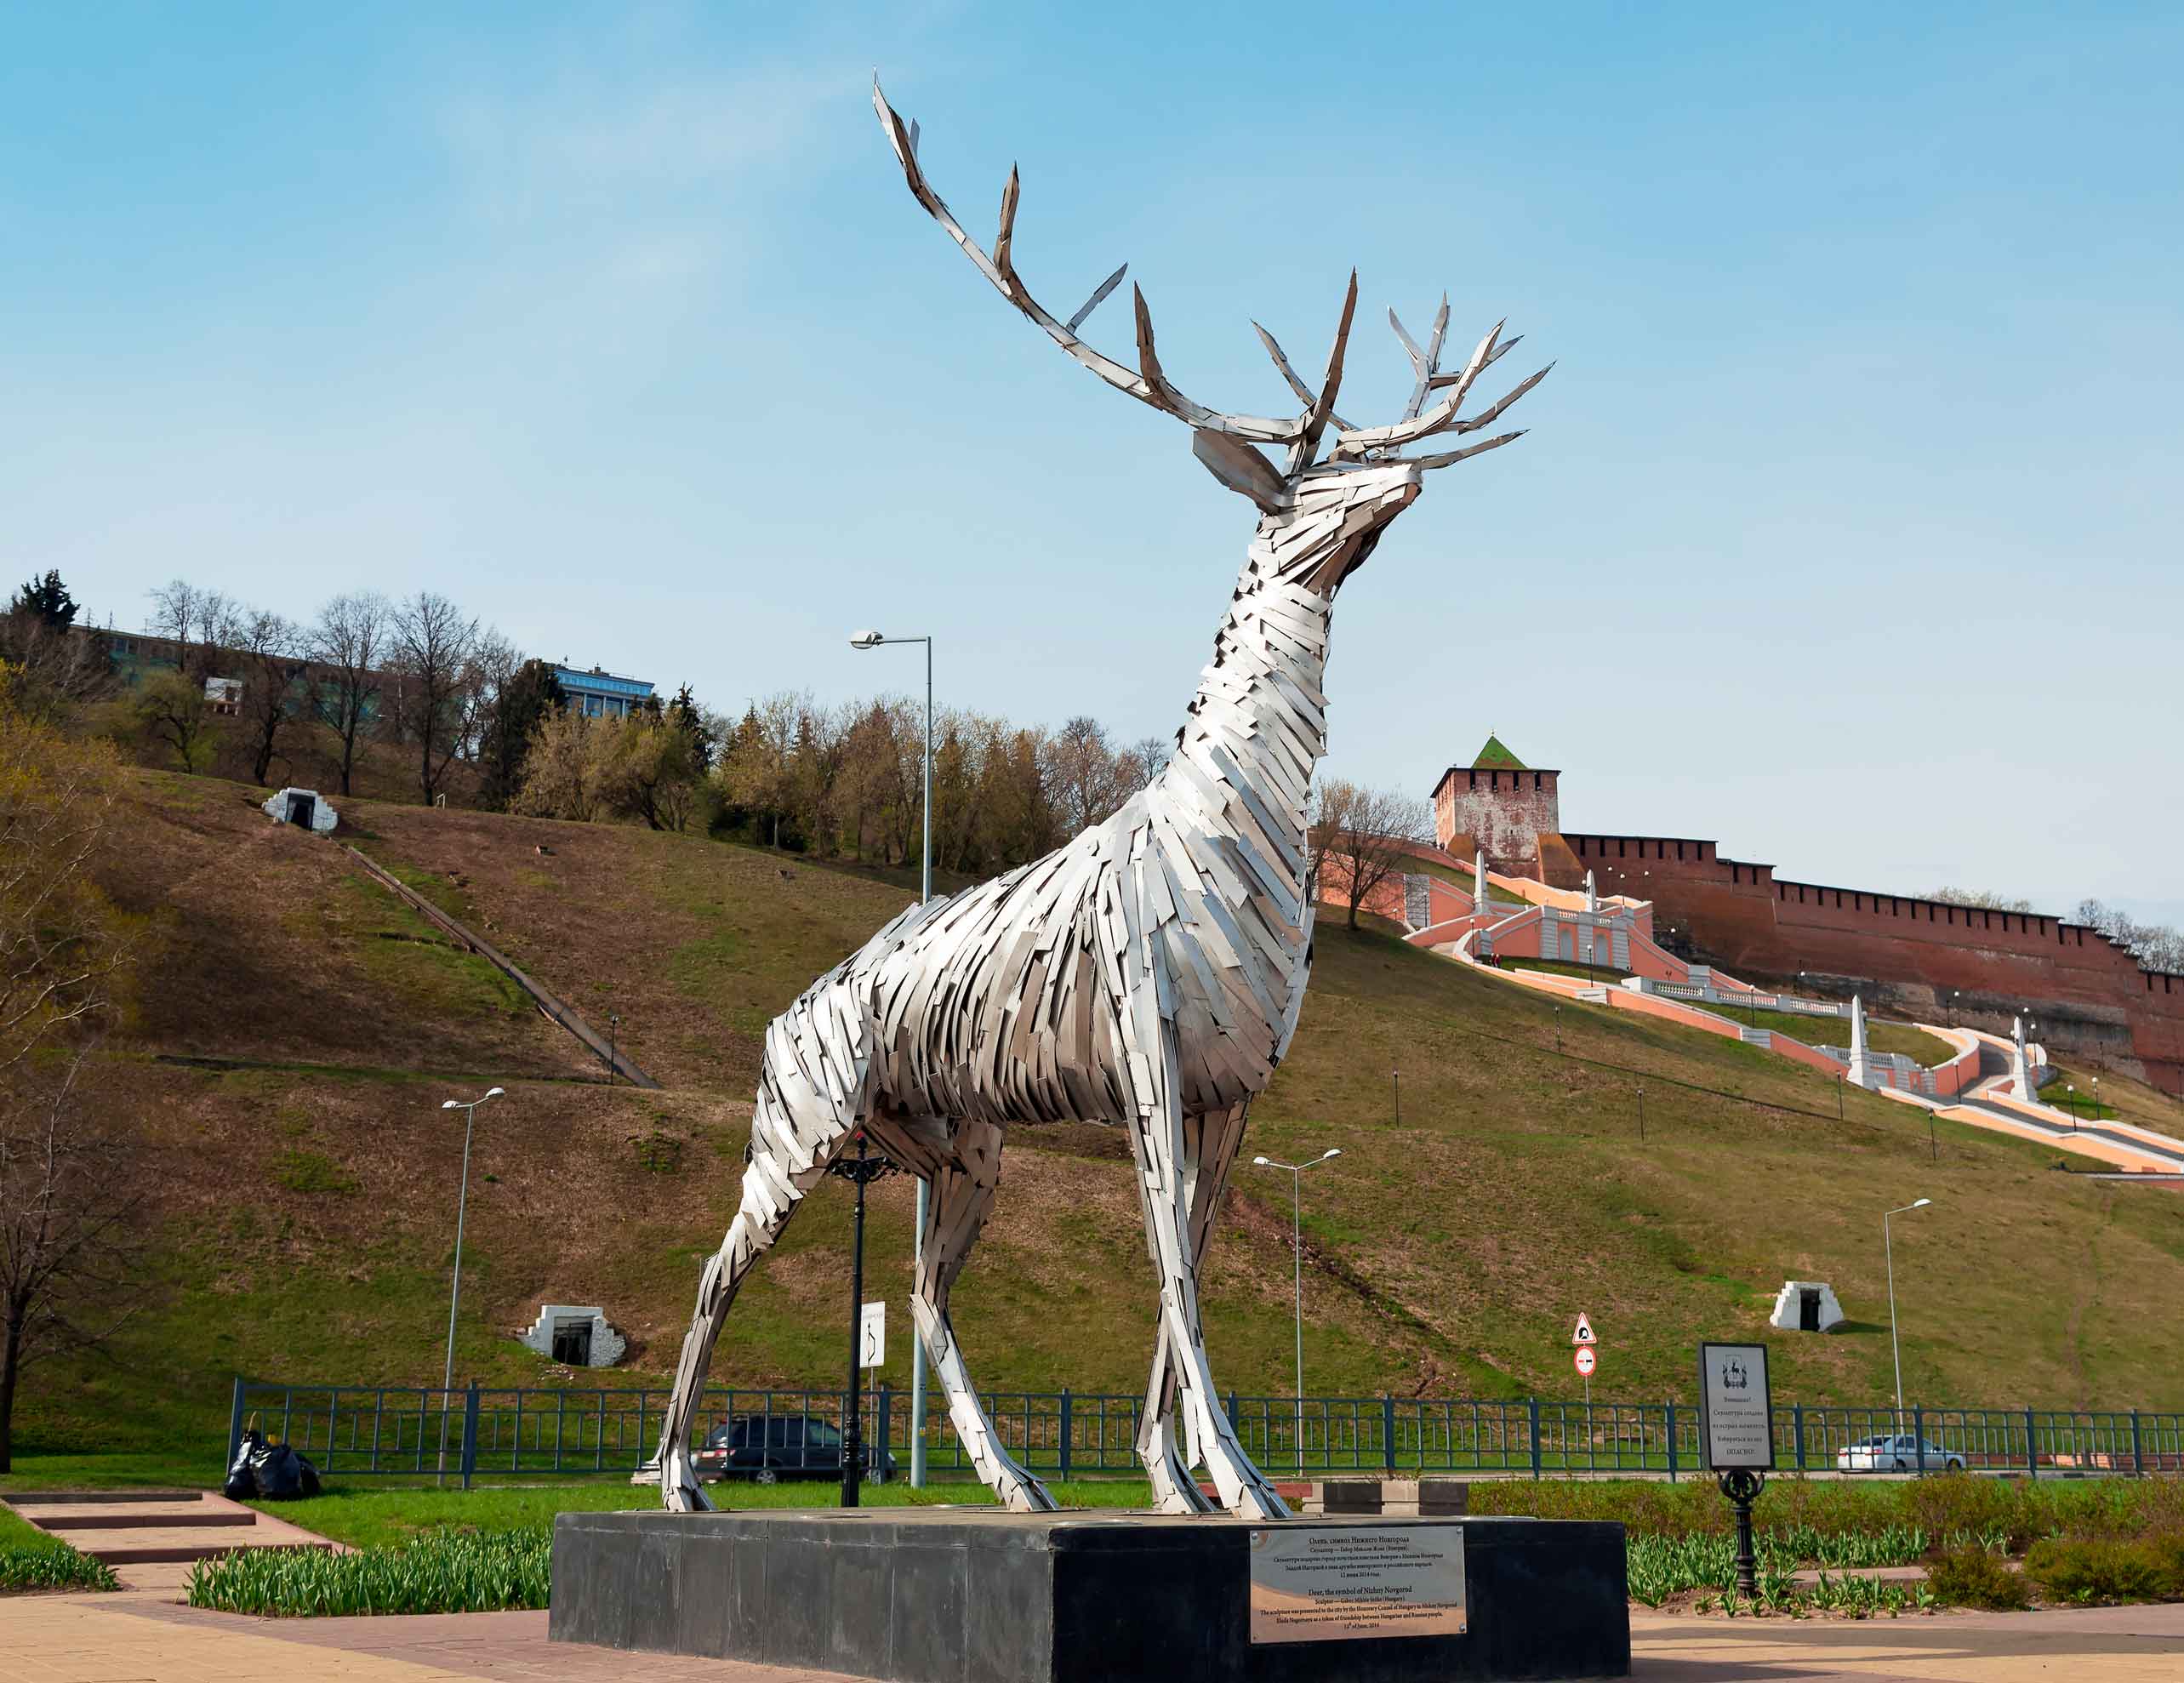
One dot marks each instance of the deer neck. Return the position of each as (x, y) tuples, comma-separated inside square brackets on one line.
[(1257, 728)]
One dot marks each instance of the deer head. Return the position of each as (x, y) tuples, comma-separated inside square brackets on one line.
[(1362, 477)]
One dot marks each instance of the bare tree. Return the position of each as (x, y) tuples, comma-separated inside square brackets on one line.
[(54, 671), (199, 622), (1979, 900), (493, 663), (69, 1196), (1359, 838), (2156, 945), (1144, 760), (271, 650), (435, 645), (1081, 774), (348, 647)]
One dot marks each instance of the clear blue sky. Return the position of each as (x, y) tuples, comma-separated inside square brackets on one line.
[(1857, 481)]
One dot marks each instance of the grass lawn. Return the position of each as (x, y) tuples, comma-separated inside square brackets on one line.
[(161, 1468), (366, 1517), (1496, 893), (2082, 1105), (1600, 975), (1925, 1049)]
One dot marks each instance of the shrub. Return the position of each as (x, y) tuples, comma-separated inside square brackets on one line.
[(2089, 1570), (440, 1572), (2168, 1556), (1973, 1578), (1959, 1502)]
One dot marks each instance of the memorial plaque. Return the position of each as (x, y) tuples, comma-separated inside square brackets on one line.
[(1337, 1584)]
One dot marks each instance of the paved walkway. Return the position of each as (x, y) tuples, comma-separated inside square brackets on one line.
[(2096, 1644), (142, 1636)]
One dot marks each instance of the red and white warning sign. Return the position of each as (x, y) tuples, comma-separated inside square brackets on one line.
[(1583, 1335), (1586, 1358)]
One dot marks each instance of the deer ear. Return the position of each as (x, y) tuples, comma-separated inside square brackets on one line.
[(1237, 466)]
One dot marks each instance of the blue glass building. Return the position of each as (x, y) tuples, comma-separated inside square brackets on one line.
[(602, 695)]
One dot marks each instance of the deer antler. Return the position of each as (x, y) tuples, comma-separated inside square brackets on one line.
[(1351, 444), (1149, 384)]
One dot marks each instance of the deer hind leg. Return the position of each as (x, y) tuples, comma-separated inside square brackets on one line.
[(1158, 1141), (1210, 1143), (962, 1193), (814, 1087)]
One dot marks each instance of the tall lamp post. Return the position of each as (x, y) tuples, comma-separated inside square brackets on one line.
[(470, 1109), (867, 640), (1296, 1246), (1888, 1249)]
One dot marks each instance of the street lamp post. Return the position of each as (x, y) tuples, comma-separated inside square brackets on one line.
[(1641, 1116), (1296, 1247), (1888, 1250), (613, 1036), (1397, 1076), (860, 1172), (865, 640), (470, 1109)]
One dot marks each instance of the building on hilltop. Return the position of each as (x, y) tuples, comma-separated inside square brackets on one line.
[(1912, 954), (599, 694), (1502, 804)]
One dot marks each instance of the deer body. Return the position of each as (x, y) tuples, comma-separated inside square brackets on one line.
[(1147, 974)]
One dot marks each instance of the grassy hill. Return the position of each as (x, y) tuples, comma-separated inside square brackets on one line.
[(300, 1027)]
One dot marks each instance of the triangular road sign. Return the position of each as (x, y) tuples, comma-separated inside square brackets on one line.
[(1583, 1335)]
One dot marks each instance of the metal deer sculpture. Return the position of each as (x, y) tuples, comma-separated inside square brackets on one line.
[(1150, 973)]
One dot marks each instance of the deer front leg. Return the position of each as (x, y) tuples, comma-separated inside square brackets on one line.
[(962, 1193), (1157, 1139), (1210, 1145), (795, 1132)]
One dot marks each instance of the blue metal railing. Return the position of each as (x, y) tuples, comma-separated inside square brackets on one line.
[(472, 1432)]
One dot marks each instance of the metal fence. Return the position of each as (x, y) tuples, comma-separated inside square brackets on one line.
[(362, 1431)]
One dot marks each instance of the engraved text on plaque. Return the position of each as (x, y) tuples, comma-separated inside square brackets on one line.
[(1312, 1583)]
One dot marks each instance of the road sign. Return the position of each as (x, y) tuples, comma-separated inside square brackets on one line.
[(1586, 1358), (872, 1336), (1583, 1335)]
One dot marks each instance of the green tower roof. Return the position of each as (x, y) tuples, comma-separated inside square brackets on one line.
[(1495, 755)]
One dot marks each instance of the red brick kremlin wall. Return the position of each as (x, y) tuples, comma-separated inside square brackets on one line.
[(1946, 962)]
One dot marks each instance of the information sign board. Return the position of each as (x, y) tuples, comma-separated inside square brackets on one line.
[(872, 1336), (1737, 1419)]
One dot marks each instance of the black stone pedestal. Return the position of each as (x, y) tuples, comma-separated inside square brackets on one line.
[(975, 1595)]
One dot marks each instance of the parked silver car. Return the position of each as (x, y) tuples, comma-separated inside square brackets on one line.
[(1892, 1453)]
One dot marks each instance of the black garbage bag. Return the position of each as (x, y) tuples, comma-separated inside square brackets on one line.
[(269, 1472), (240, 1485)]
